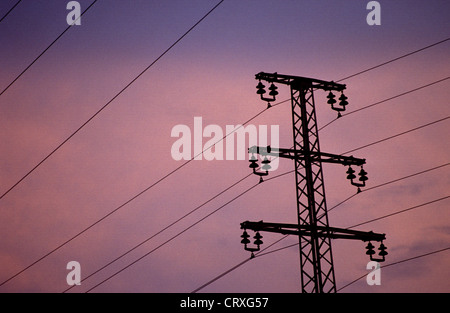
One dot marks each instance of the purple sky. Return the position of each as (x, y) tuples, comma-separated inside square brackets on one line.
[(210, 74)]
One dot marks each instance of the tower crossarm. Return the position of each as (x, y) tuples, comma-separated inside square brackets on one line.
[(299, 81), (307, 230), (300, 155)]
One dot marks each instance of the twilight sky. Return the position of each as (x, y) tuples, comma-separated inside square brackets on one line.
[(210, 74)]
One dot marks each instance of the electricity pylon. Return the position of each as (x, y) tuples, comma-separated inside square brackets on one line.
[(313, 230)]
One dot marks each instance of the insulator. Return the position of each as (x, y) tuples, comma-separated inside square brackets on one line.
[(253, 163), (370, 250), (363, 175), (245, 237), (266, 165), (260, 85), (260, 88), (273, 90), (351, 173), (331, 99), (265, 161), (343, 100), (245, 241), (382, 249), (258, 238)]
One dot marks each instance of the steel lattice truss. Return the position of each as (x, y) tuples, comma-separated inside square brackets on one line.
[(316, 259)]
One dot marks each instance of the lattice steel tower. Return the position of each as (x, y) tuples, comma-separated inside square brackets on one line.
[(313, 230)]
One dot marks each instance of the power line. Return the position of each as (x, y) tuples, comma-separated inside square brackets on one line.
[(296, 244), (170, 173), (401, 211), (397, 96), (112, 99), (237, 266), (222, 275), (393, 60), (371, 188), (383, 266), (259, 254), (397, 135), (186, 229), (127, 202), (385, 100), (388, 183), (172, 238), (245, 261), (278, 249), (396, 263), (140, 193), (405, 177), (94, 116), (148, 188), (195, 209), (398, 212), (165, 228), (46, 49), (136, 196), (10, 10), (57, 148), (354, 281)]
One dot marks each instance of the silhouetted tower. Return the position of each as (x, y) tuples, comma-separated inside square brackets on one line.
[(316, 259)]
